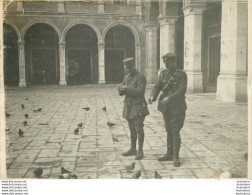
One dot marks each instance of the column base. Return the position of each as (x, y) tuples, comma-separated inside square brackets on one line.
[(232, 87), (194, 82), (22, 84), (62, 83), (101, 82)]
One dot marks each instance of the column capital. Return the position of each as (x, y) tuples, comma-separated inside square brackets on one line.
[(194, 9), (170, 20), (62, 43), (151, 27)]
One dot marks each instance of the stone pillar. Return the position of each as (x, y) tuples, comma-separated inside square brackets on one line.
[(101, 9), (138, 7), (62, 59), (20, 7), (21, 58), (232, 80), (61, 7), (151, 53), (167, 37), (101, 63), (192, 47), (138, 56)]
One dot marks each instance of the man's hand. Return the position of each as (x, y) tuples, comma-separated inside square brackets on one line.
[(150, 100), (165, 100)]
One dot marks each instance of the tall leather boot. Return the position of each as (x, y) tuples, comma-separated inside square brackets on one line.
[(176, 148), (140, 153), (169, 154), (133, 138)]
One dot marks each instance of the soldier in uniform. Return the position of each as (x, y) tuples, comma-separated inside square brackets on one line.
[(135, 106), (173, 83)]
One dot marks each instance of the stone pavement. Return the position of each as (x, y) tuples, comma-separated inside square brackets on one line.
[(214, 137)]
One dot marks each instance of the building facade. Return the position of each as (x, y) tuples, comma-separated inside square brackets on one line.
[(79, 42)]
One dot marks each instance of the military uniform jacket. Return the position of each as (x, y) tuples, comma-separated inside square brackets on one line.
[(134, 102), (172, 85)]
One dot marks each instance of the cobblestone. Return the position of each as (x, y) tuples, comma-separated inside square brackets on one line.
[(214, 137)]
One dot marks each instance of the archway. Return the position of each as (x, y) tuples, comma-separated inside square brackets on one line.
[(41, 54), (81, 55), (119, 44), (11, 65)]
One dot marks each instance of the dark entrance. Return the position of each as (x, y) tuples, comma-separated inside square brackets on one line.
[(82, 55), (114, 70), (11, 64), (119, 44), (44, 66), (79, 66), (214, 59), (41, 55)]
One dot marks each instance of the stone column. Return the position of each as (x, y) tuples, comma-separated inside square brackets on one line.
[(138, 56), (20, 7), (62, 59), (167, 37), (61, 7), (151, 53), (101, 63), (138, 7), (192, 47), (101, 9), (21, 58), (232, 80)]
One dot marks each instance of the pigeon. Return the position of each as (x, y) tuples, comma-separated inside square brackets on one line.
[(157, 175), (130, 167), (115, 138), (63, 171), (137, 175), (38, 172), (86, 108), (26, 116), (7, 130), (65, 176), (26, 98), (25, 122), (76, 131), (88, 177), (23, 106), (104, 108), (110, 124), (39, 109), (7, 114), (225, 175), (80, 125), (246, 156), (20, 133)]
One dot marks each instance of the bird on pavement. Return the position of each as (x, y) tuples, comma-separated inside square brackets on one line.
[(7, 114), (63, 170), (80, 125), (130, 167), (20, 133), (7, 129), (157, 175), (38, 172), (86, 108), (39, 109), (115, 138), (137, 175), (26, 98), (104, 108), (26, 116), (23, 106), (25, 122), (110, 124), (76, 131)]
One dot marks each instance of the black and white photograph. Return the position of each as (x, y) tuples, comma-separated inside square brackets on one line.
[(125, 89)]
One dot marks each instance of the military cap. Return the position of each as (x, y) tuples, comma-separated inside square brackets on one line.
[(128, 61), (169, 55)]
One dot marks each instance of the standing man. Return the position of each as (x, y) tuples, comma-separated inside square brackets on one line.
[(135, 106), (173, 83)]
